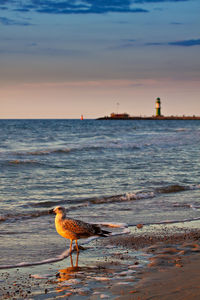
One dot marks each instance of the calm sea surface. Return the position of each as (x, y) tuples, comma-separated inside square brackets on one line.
[(100, 171)]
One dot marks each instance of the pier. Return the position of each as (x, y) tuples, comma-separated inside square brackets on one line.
[(158, 115)]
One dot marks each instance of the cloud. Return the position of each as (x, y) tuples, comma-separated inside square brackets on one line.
[(183, 43), (87, 7), (5, 2), (176, 23), (186, 43), (79, 6), (157, 1), (155, 44), (73, 6), (10, 22), (22, 10)]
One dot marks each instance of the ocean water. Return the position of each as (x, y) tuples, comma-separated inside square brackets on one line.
[(100, 171)]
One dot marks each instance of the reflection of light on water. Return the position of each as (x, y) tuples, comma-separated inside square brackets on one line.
[(66, 275)]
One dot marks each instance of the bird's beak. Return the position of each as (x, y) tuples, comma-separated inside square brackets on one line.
[(51, 211)]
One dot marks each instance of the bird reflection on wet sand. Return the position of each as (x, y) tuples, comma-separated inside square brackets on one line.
[(67, 275)]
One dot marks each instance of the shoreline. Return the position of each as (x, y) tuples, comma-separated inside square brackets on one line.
[(139, 265)]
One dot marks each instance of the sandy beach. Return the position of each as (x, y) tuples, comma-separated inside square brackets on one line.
[(180, 281), (172, 271), (149, 263)]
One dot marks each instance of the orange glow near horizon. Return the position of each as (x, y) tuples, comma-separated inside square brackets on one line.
[(97, 98)]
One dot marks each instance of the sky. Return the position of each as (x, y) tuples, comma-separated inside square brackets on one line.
[(64, 58)]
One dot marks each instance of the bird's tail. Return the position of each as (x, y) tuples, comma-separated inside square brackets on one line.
[(104, 233), (100, 232)]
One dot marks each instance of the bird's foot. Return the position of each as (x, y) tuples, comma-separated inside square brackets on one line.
[(80, 248)]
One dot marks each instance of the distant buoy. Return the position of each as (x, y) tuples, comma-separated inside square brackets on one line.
[(81, 117)]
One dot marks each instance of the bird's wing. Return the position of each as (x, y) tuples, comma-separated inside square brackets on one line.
[(77, 226)]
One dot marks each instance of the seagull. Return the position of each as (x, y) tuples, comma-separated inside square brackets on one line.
[(75, 229)]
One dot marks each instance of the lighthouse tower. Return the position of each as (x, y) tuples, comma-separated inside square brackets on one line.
[(158, 107)]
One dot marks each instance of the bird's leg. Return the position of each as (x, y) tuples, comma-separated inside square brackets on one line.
[(72, 265), (70, 248), (76, 246), (77, 259)]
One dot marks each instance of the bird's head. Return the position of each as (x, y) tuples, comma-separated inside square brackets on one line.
[(58, 210)]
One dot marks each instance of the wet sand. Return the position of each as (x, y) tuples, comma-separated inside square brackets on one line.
[(179, 282), (143, 265), (172, 271)]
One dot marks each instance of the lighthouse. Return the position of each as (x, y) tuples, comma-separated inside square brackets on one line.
[(158, 107)]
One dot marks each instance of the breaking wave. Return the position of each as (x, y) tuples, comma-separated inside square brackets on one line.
[(47, 152), (24, 162), (187, 205), (85, 148), (77, 204), (21, 216), (176, 188), (58, 151)]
